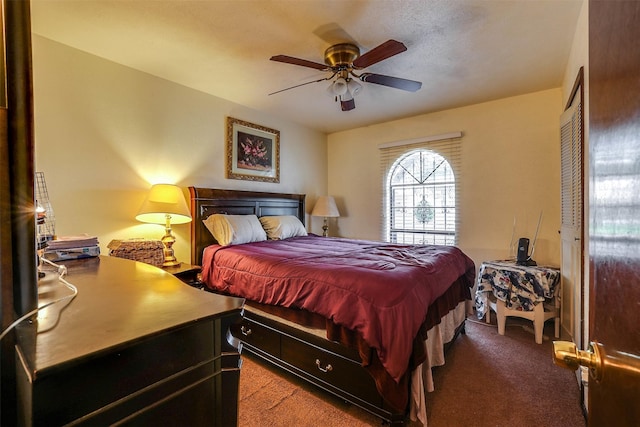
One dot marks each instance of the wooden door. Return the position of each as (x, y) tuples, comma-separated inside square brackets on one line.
[(572, 225), (614, 223)]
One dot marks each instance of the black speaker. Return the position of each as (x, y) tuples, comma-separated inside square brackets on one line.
[(523, 251)]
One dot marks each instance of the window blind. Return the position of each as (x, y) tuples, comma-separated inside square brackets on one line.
[(447, 145)]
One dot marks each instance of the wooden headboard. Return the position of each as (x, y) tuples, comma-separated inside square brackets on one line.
[(209, 201)]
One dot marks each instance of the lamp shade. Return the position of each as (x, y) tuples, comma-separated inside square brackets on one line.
[(163, 200), (339, 86), (354, 87), (326, 207)]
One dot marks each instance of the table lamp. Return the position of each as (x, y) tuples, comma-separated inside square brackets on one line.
[(325, 207), (165, 204)]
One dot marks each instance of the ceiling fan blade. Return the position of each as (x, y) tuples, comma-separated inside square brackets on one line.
[(348, 105), (333, 33), (302, 62), (301, 84), (379, 53), (394, 82)]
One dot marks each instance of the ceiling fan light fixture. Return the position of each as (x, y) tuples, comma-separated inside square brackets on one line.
[(354, 87), (330, 90), (339, 86)]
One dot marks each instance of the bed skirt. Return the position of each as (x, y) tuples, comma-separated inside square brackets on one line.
[(421, 377)]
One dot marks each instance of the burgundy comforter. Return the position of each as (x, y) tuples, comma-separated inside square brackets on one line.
[(380, 290)]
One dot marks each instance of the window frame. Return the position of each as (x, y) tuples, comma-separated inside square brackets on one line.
[(448, 145), (443, 236)]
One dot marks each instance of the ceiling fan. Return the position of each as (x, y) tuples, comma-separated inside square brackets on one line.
[(342, 60)]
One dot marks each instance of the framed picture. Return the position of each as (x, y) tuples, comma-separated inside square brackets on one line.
[(253, 152)]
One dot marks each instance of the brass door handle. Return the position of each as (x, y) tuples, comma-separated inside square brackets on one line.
[(598, 359), (566, 355)]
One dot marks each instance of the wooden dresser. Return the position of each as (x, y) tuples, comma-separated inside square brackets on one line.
[(136, 346)]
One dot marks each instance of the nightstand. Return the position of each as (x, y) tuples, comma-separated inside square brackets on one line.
[(188, 273), (510, 289)]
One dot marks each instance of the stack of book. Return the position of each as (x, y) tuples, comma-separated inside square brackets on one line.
[(72, 247)]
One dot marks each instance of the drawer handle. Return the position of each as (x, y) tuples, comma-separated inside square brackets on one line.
[(328, 368), (246, 332)]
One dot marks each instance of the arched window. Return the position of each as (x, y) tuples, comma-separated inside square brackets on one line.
[(422, 199)]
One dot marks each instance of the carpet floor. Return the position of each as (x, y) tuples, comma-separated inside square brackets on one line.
[(488, 380)]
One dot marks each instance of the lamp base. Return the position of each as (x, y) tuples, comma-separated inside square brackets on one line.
[(325, 227), (168, 240), (171, 263)]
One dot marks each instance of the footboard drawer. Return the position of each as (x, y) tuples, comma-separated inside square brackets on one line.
[(332, 370), (258, 336)]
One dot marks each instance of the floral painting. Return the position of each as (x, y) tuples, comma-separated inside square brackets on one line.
[(253, 151)]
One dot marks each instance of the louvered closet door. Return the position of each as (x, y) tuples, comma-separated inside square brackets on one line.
[(572, 223)]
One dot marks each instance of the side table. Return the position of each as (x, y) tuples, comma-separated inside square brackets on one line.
[(529, 292), (188, 273)]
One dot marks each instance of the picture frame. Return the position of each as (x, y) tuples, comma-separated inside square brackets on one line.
[(253, 151)]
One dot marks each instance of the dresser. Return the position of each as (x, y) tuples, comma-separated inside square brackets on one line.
[(136, 346)]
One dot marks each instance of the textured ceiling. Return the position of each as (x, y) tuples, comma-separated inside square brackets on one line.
[(463, 51)]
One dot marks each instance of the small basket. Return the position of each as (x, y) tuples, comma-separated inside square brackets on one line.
[(143, 250)]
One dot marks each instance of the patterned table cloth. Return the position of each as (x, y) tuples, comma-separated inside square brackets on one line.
[(521, 287)]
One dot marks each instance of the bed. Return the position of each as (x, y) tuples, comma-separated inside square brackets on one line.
[(330, 328)]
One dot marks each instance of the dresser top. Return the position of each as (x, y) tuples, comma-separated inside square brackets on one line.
[(119, 301)]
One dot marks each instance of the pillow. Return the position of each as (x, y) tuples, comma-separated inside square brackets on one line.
[(235, 229), (282, 227)]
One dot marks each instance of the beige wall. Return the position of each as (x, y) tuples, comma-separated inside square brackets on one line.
[(511, 168), (104, 133), (579, 55)]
